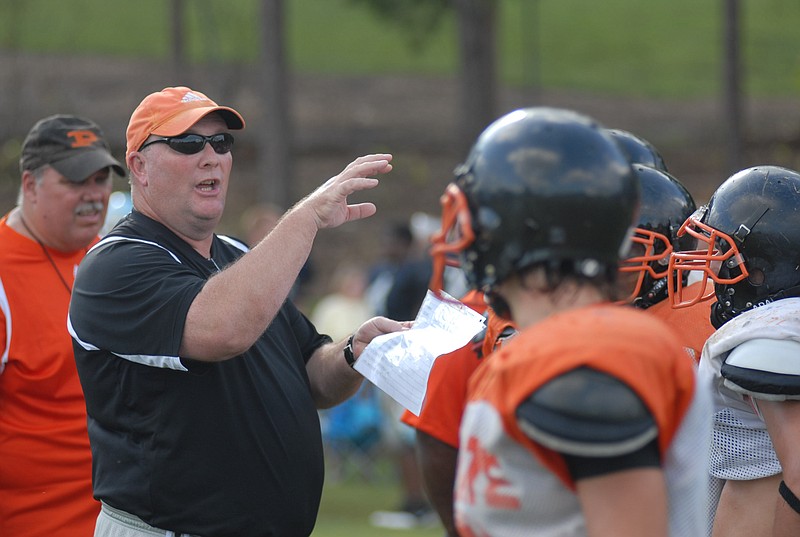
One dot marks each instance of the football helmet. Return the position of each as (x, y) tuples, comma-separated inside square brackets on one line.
[(540, 185), (665, 206), (638, 150), (748, 239)]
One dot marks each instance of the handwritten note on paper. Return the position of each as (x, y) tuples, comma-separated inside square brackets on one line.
[(400, 363)]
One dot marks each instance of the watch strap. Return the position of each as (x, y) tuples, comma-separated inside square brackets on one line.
[(349, 356)]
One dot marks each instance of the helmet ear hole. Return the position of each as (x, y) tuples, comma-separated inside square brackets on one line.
[(757, 277)]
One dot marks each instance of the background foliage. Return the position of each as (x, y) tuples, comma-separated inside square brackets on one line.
[(629, 47)]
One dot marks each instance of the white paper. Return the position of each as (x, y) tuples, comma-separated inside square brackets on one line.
[(400, 363)]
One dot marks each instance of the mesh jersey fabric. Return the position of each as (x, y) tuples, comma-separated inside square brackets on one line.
[(741, 447)]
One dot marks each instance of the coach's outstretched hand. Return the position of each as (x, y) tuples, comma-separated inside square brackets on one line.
[(329, 201)]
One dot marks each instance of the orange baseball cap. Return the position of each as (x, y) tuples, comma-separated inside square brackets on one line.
[(172, 111)]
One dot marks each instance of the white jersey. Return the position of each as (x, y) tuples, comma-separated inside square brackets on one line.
[(741, 446)]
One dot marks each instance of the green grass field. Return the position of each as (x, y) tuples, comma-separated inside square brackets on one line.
[(348, 502), (346, 508), (660, 48)]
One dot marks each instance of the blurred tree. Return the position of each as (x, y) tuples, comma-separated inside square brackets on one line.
[(418, 18), (274, 162), (177, 40), (732, 68), (476, 21), (13, 86), (478, 74)]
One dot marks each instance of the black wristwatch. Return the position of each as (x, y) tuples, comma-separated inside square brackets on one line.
[(348, 352)]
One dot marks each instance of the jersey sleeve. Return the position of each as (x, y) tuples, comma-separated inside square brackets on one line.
[(306, 334), (132, 299)]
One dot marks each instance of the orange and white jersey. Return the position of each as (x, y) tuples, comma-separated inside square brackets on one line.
[(509, 485)]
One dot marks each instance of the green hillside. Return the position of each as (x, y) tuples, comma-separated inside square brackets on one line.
[(659, 48)]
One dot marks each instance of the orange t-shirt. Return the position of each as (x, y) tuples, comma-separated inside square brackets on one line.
[(447, 384), (45, 460), (692, 324)]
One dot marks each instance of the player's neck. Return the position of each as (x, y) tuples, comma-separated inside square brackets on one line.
[(539, 305)]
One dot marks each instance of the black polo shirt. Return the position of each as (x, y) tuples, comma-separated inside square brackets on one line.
[(214, 449)]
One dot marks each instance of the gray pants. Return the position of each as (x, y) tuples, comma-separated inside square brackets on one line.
[(116, 523)]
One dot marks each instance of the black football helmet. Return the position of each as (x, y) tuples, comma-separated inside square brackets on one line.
[(749, 237), (638, 150), (540, 185), (665, 206)]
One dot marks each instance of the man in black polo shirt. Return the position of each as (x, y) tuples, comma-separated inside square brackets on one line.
[(202, 380)]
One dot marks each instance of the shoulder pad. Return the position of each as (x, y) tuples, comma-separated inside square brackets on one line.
[(764, 369), (587, 413)]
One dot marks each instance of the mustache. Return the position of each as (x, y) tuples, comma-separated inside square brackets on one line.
[(90, 206)]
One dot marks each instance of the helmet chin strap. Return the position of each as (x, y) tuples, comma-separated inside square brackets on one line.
[(789, 292), (657, 293)]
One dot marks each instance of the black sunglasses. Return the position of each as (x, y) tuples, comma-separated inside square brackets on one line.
[(189, 144)]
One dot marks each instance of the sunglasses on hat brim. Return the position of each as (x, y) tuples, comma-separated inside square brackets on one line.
[(189, 144)]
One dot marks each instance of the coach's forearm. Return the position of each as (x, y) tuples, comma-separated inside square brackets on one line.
[(237, 304), (332, 379)]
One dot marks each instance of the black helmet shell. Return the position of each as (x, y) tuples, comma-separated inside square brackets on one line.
[(546, 185), (759, 208), (638, 150), (665, 206)]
